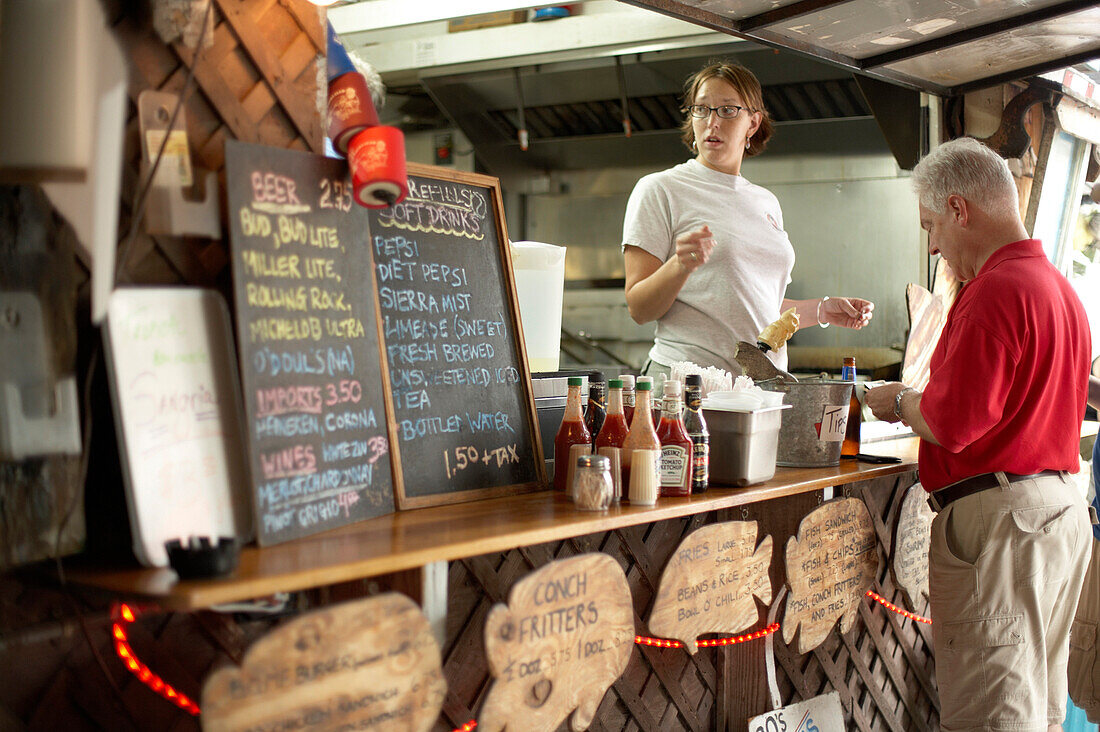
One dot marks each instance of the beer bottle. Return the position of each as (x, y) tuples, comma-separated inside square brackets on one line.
[(855, 415)]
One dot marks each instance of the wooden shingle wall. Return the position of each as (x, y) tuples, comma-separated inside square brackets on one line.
[(259, 77)]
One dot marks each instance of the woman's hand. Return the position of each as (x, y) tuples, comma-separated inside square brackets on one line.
[(847, 312), (693, 248)]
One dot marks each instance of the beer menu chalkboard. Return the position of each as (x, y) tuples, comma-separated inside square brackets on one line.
[(307, 332), (460, 385)]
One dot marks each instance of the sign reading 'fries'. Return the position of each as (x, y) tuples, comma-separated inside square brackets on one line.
[(709, 583)]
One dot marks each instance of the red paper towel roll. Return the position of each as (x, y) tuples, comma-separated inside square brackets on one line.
[(377, 159), (350, 109)]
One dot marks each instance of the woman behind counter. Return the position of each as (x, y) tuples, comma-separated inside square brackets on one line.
[(705, 251)]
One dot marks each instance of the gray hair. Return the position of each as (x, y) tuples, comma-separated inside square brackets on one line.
[(967, 168)]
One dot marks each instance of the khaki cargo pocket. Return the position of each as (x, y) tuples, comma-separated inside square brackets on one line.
[(1084, 673), (1042, 549), (981, 662)]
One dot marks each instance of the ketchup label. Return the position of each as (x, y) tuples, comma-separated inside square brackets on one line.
[(674, 465)]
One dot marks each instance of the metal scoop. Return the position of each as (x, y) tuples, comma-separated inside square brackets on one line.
[(758, 366)]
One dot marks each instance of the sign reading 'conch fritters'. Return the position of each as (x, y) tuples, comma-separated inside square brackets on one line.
[(563, 638), (708, 585), (369, 664), (830, 566)]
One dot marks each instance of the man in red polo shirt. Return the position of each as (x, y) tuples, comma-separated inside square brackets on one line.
[(1000, 428)]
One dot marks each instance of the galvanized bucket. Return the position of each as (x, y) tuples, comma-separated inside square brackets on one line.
[(812, 432)]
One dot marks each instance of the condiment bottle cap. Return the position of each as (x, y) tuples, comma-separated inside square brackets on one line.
[(575, 381), (600, 462), (644, 385), (672, 388), (694, 380), (615, 384), (628, 381)]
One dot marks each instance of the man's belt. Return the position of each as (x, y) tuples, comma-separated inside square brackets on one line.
[(944, 497)]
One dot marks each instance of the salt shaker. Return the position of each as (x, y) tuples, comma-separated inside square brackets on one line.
[(592, 484)]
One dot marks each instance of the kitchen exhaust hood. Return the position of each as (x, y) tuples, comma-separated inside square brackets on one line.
[(574, 112)]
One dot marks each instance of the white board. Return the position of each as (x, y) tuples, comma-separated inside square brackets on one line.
[(178, 418)]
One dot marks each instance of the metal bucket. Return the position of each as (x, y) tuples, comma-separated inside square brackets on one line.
[(812, 432)]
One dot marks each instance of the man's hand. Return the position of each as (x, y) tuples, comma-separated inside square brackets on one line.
[(881, 400)]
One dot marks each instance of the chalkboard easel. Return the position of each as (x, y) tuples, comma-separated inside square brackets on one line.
[(460, 386)]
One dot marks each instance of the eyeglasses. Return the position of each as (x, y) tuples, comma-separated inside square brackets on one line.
[(726, 111)]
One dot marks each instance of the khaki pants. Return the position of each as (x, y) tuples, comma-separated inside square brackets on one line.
[(1005, 572), (1084, 662)]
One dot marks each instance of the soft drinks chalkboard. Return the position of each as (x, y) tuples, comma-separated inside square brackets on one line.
[(459, 380), (307, 333)]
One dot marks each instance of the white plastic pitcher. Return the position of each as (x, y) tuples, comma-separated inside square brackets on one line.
[(539, 271)]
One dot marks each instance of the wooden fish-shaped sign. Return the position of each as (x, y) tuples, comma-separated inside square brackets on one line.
[(912, 536), (366, 664), (562, 640), (708, 585), (830, 566)]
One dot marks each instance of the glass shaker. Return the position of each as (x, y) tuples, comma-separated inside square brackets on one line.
[(592, 484)]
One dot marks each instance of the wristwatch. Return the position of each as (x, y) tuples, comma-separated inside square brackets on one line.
[(897, 401)]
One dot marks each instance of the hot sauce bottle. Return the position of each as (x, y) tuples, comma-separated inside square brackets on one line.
[(628, 397), (596, 412), (573, 438), (642, 436), (676, 447), (610, 440)]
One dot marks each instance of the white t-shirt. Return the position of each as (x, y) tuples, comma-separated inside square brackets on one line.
[(740, 289)]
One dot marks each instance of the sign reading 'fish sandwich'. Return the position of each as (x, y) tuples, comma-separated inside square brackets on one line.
[(830, 566)]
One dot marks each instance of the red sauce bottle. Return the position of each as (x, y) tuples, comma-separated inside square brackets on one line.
[(676, 445), (610, 440), (572, 440)]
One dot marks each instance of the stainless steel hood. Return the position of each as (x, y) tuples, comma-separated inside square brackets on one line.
[(574, 111), (830, 69)]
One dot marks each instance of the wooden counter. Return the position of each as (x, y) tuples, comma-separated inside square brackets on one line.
[(412, 539)]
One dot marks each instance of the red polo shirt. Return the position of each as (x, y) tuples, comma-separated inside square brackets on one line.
[(1009, 377)]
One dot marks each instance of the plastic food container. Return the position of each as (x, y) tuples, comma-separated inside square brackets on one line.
[(539, 272), (812, 434), (743, 443)]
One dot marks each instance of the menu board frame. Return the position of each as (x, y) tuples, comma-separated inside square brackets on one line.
[(463, 494)]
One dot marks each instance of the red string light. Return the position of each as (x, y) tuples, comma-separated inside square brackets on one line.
[(734, 640), (891, 606), (161, 687), (126, 616)]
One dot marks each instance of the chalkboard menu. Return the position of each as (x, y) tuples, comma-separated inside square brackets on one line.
[(307, 332), (459, 381)]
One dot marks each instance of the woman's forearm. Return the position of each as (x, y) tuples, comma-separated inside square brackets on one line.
[(650, 297), (807, 310)]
